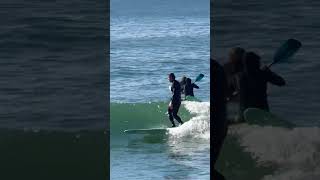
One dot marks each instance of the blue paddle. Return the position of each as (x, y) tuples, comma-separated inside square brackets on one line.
[(199, 77), (284, 52)]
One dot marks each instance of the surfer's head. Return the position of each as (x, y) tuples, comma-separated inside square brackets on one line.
[(183, 80), (171, 77), (188, 81), (251, 62), (235, 58)]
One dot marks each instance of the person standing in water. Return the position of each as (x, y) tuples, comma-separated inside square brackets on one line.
[(253, 83), (233, 69), (175, 102), (188, 88), (183, 83), (218, 120)]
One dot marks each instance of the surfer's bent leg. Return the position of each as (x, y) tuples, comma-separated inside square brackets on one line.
[(175, 110), (171, 117)]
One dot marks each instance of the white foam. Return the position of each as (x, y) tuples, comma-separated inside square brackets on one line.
[(198, 126), (295, 152)]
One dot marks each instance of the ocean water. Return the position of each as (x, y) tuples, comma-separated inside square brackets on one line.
[(149, 40), (53, 89), (261, 26)]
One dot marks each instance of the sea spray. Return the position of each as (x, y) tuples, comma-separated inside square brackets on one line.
[(198, 126), (295, 152)]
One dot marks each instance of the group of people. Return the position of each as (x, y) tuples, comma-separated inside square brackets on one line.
[(185, 86), (247, 80), (243, 81)]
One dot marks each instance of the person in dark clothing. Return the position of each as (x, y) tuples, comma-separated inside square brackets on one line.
[(232, 70), (219, 123), (188, 88), (175, 102), (253, 83), (183, 83)]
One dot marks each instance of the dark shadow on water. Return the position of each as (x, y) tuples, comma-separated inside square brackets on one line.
[(53, 155)]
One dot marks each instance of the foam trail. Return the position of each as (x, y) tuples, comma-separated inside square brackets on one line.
[(295, 152), (198, 126)]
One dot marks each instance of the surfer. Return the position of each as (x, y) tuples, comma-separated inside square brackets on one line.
[(175, 102), (253, 83), (188, 88), (233, 69), (219, 121)]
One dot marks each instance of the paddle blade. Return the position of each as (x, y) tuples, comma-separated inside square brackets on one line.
[(199, 77), (290, 47)]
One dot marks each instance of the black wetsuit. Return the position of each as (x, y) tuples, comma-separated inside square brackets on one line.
[(188, 89), (233, 79), (175, 102), (253, 88), (219, 124)]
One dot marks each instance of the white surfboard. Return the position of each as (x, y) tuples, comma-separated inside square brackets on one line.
[(146, 131)]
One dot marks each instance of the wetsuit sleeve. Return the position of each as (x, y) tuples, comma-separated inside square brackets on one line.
[(273, 78), (195, 86)]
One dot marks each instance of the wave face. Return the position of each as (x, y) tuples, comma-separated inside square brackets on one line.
[(154, 115), (181, 152)]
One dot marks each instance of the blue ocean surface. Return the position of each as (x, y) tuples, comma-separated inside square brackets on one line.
[(149, 40)]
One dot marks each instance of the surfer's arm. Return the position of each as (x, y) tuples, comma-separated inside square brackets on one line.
[(233, 96), (233, 86), (195, 86), (170, 105), (273, 78)]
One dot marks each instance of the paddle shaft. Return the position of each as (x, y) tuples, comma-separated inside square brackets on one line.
[(288, 49), (269, 66)]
